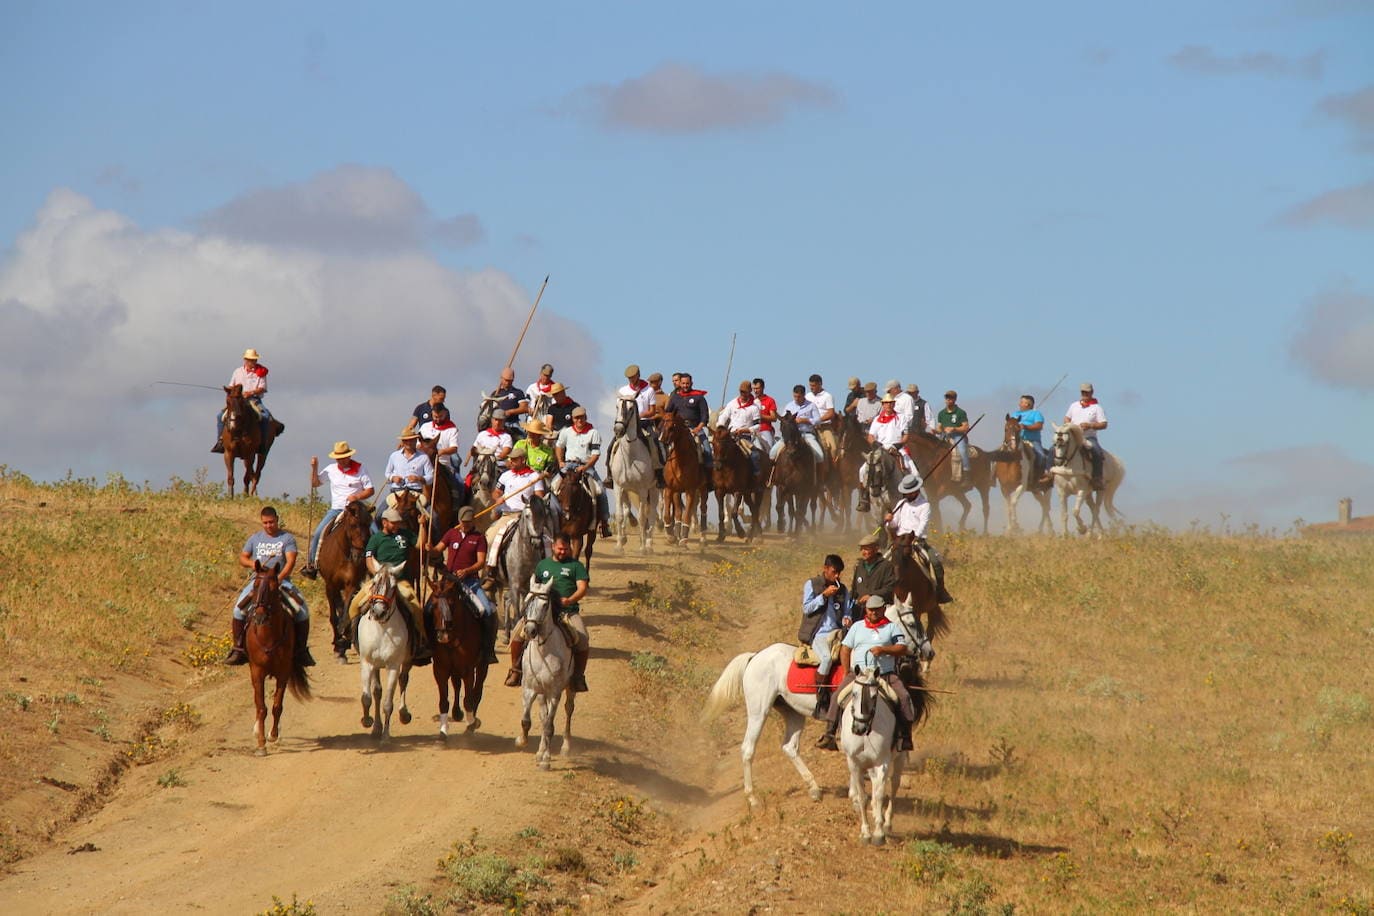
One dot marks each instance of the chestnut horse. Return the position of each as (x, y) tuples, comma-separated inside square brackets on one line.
[(342, 572), (684, 493), (457, 653), (915, 592), (1014, 467), (735, 484), (853, 439), (271, 644), (579, 516), (243, 440), (926, 450), (794, 476)]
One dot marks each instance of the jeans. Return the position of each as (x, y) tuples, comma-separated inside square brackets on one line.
[(603, 500), (1042, 459), (319, 533), (809, 438), (708, 457), (820, 644), (301, 611), (473, 586), (1095, 455), (961, 444)]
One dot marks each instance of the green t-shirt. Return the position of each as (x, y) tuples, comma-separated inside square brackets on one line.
[(539, 456), (392, 548), (565, 575), (951, 418)]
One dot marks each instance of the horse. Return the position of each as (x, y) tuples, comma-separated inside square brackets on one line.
[(271, 644), (926, 449), (457, 653), (1073, 476), (794, 477), (915, 596), (383, 643), (342, 572), (1014, 468), (243, 440), (578, 516), (867, 726), (735, 484), (522, 549), (685, 481), (883, 471), (481, 481), (853, 443), (632, 469), (546, 673)]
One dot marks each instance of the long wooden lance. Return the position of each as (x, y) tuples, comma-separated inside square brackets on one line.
[(953, 445), (521, 339), (188, 385), (730, 364), (506, 496), (1042, 401)]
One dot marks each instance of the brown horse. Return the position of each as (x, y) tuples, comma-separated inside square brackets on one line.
[(735, 484), (794, 477), (243, 440), (342, 571), (685, 482), (915, 590), (853, 440), (1014, 467), (457, 653), (271, 644), (579, 516), (927, 450)]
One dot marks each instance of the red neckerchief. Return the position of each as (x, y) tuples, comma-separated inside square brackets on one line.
[(447, 424), (352, 469), (522, 471), (543, 386), (696, 392), (742, 402), (261, 371), (583, 430), (1091, 402), (637, 387), (882, 622), (886, 417), (496, 432)]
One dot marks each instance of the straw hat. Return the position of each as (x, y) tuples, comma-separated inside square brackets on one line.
[(250, 353), (558, 388), (536, 427), (408, 434), (341, 449), (888, 399)]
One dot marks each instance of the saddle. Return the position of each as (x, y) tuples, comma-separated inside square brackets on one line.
[(803, 679), (805, 656), (868, 679)]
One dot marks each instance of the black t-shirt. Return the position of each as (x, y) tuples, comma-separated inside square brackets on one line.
[(691, 407), (423, 413), (562, 414)]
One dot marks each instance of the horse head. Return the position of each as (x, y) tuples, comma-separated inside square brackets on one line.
[(1067, 440), (864, 701), (1011, 434), (787, 426), (626, 417), (536, 519), (382, 600), (906, 618), (484, 470), (484, 411), (538, 614), (266, 591)]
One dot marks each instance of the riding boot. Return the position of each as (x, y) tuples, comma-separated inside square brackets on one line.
[(826, 742), (579, 672), (822, 699), (864, 505), (517, 649), (902, 741), (310, 571), (420, 656), (237, 654), (489, 656), (658, 478), (303, 656), (941, 595), (218, 447), (608, 483)]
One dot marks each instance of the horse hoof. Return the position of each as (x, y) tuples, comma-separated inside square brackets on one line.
[(815, 793), (753, 803), (273, 739), (405, 716), (520, 743), (475, 724), (260, 752), (341, 657), (879, 841), (457, 715), (543, 765), (367, 721), (443, 732)]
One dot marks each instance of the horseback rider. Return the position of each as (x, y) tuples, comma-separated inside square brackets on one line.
[(495, 440), (542, 385), (885, 432), (660, 396), (768, 415), (1031, 422), (406, 469), (1090, 417), (690, 405), (538, 453), (391, 547), (875, 643), (920, 408), (570, 581), (904, 404), (510, 401), (825, 609), (466, 555), (559, 416), (512, 492), (873, 575), (640, 391), (825, 424), (252, 377), (866, 408), (908, 521), (952, 425), (273, 548), (424, 411), (578, 449), (348, 483), (443, 433), (741, 419), (854, 393), (807, 417)]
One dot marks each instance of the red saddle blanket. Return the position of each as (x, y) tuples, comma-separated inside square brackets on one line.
[(803, 680)]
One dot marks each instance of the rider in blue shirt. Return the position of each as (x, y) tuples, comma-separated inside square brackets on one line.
[(877, 643), (1032, 422)]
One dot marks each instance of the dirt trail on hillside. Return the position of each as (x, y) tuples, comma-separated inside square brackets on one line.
[(327, 815)]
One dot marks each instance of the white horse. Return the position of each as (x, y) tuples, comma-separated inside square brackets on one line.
[(867, 726), (1073, 476), (383, 644), (520, 551), (632, 470), (546, 672)]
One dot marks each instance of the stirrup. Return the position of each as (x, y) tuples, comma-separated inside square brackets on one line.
[(310, 571), (218, 447), (513, 677), (236, 656), (826, 742)]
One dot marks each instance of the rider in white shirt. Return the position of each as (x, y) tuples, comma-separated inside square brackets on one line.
[(908, 521), (1091, 418), (740, 418)]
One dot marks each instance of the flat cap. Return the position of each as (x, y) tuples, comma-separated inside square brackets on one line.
[(631, 370), (391, 515), (870, 540), (875, 601)]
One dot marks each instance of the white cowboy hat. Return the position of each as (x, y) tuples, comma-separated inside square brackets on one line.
[(534, 426), (341, 451), (910, 484), (250, 353)]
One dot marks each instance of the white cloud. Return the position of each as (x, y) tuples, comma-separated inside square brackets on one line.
[(1346, 208), (676, 98), (94, 308), (351, 209), (1335, 342)]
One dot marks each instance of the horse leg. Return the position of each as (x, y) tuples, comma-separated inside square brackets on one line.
[(649, 509), (404, 680), (277, 697), (549, 720), (569, 701), (472, 695), (385, 695), (368, 674), (441, 681), (229, 470), (260, 710), (527, 701), (878, 776), (858, 797), (792, 722)]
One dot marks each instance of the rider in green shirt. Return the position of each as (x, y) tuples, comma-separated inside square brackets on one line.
[(953, 426), (569, 580), (537, 451)]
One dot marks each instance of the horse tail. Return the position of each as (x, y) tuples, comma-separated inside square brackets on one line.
[(299, 684), (937, 621), (729, 688)]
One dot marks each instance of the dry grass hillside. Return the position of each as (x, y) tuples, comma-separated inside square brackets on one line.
[(1151, 721)]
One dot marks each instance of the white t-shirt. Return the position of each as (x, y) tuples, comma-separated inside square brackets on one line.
[(887, 431), (905, 405), (1079, 414), (739, 416), (488, 443), (252, 382), (342, 484), (823, 402), (643, 397), (448, 438), (865, 410), (511, 481), (911, 517)]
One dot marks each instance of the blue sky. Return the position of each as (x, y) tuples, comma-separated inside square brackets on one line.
[(1174, 201)]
